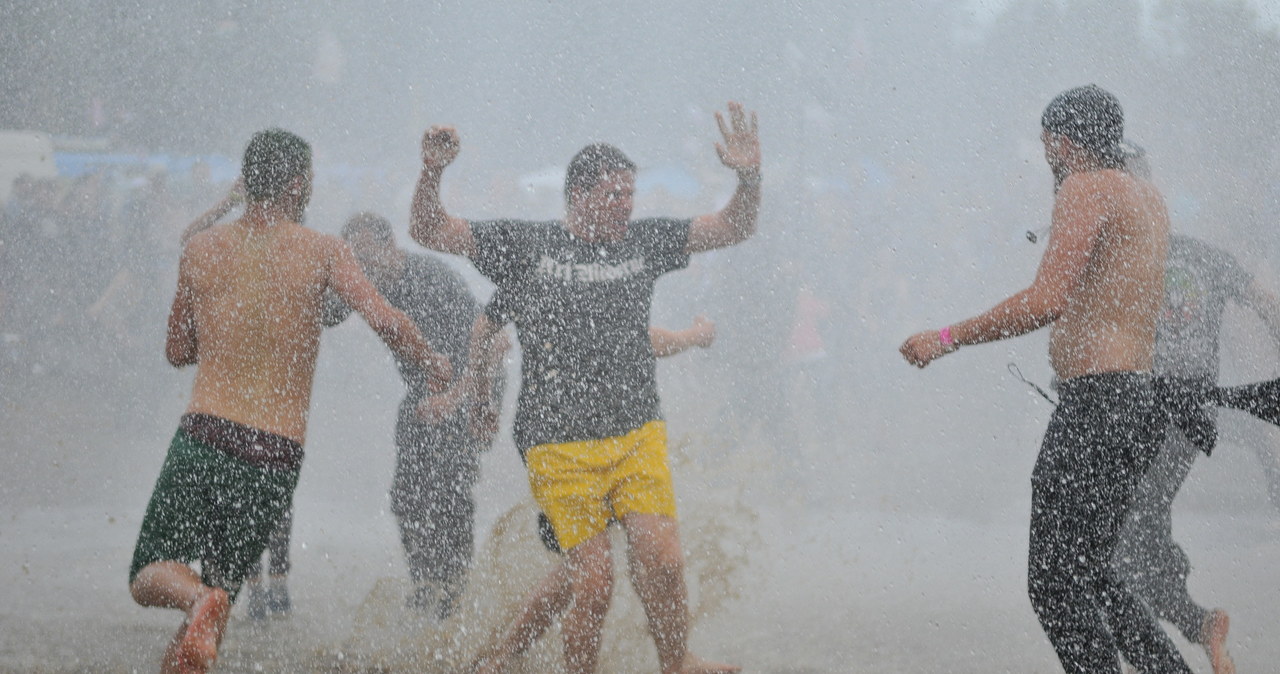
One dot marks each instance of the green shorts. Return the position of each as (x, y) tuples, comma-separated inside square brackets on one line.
[(213, 508)]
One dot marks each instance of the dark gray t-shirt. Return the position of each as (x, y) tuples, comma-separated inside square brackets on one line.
[(1199, 280), (437, 300), (581, 311)]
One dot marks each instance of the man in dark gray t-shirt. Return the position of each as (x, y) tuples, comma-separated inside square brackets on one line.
[(588, 422), (437, 464), (1200, 280)]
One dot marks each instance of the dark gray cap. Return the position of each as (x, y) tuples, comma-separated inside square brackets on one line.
[(1091, 117)]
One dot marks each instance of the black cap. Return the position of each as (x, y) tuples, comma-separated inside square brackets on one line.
[(1091, 117)]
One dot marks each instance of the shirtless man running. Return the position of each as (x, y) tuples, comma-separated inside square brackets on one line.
[(1100, 286), (589, 424), (247, 313)]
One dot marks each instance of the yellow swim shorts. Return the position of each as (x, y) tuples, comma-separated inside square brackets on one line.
[(582, 485)]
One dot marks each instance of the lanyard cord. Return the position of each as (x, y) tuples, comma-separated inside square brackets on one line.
[(1013, 368)]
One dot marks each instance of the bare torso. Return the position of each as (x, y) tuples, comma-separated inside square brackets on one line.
[(258, 294), (1110, 320)]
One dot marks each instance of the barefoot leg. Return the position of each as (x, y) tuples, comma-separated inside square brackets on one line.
[(197, 648)]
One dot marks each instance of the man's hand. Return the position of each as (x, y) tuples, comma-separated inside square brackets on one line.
[(704, 331), (434, 409), (440, 145), (923, 348), (741, 148), (439, 373)]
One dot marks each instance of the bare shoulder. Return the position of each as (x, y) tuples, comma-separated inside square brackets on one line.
[(208, 246)]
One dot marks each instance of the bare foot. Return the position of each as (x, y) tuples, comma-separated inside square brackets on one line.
[(695, 665), (195, 647), (1214, 639), (172, 663)]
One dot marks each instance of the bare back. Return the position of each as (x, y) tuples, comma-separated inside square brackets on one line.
[(256, 294), (1109, 322)]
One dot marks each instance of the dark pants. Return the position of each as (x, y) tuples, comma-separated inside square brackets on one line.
[(1101, 439), (436, 470), (1147, 557), (277, 549)]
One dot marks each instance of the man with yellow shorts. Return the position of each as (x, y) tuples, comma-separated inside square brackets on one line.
[(588, 422)]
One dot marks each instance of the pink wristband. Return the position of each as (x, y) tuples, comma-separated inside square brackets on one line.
[(944, 336)]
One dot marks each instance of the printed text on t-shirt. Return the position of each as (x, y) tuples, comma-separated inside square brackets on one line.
[(589, 272)]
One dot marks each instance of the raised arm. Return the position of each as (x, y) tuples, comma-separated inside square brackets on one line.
[(180, 346), (429, 224), (736, 222), (391, 324), (671, 342), (1078, 215), (210, 217)]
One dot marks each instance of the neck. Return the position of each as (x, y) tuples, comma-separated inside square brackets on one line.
[(581, 227), (267, 213)]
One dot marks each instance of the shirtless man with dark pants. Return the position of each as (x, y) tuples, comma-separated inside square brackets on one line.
[(1100, 286), (247, 314)]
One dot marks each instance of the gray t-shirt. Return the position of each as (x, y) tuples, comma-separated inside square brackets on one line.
[(1199, 280), (581, 311), (437, 300)]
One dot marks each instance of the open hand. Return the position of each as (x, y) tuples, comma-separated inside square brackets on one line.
[(741, 148), (440, 145), (923, 348), (434, 409)]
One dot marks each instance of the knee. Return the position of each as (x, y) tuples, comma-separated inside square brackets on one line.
[(591, 581), (593, 591)]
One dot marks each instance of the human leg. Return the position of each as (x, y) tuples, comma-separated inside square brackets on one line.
[(657, 572), (644, 501), (590, 568), (277, 596), (1100, 441), (539, 610), (194, 646), (1146, 557)]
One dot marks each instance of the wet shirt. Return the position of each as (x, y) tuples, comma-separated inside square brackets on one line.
[(1199, 281), (581, 311), (437, 300)]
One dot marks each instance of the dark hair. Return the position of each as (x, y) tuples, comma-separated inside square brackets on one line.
[(1092, 118), (375, 225), (590, 164), (273, 158)]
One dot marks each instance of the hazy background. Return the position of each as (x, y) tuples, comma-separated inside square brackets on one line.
[(877, 514)]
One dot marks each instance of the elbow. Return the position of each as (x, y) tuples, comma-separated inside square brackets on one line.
[(179, 356)]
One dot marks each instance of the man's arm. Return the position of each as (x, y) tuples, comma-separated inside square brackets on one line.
[(391, 324), (429, 224), (671, 342), (488, 346), (1078, 215), (1266, 304), (180, 345), (234, 198), (736, 222)]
